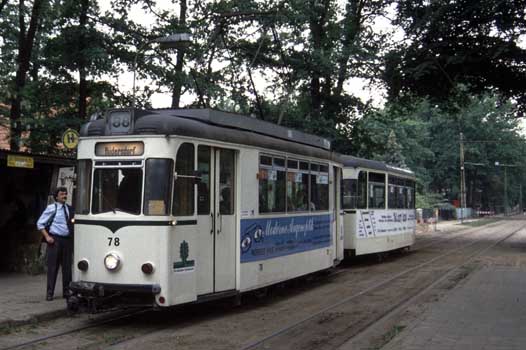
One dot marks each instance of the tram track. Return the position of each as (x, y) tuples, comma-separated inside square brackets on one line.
[(90, 324), (186, 341), (419, 245), (451, 234), (324, 316), (320, 338)]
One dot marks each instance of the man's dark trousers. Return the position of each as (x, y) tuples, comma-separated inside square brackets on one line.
[(60, 253)]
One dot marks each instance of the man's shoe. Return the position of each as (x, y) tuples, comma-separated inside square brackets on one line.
[(49, 298)]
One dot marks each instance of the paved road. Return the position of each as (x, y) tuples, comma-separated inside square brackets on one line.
[(486, 311)]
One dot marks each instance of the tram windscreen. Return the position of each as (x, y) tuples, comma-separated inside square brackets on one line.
[(117, 189)]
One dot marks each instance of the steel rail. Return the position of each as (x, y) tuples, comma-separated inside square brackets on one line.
[(405, 303), (367, 290), (454, 234), (458, 233), (74, 330)]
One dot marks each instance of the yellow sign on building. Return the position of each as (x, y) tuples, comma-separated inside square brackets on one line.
[(20, 162), (70, 138)]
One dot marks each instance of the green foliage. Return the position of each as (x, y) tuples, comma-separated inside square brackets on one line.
[(427, 136), (64, 47), (452, 42), (429, 200), (459, 69)]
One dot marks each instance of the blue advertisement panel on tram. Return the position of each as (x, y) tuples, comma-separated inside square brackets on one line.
[(272, 237)]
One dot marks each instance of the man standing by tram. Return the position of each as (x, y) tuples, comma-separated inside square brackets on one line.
[(56, 227)]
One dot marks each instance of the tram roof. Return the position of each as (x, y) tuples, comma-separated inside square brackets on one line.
[(207, 123), (355, 162)]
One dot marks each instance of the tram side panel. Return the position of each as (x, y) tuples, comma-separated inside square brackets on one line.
[(278, 247), (374, 231)]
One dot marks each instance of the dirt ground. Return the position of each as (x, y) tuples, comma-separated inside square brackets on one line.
[(362, 305)]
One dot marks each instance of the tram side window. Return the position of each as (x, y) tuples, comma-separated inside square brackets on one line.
[(83, 186), (401, 193), (183, 199), (319, 185), (361, 199), (409, 191), (349, 193), (117, 189), (272, 184), (157, 186), (392, 192), (297, 186), (376, 190), (411, 194)]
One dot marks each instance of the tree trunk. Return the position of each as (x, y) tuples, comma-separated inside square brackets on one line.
[(83, 84), (25, 46), (179, 76), (316, 25), (351, 33)]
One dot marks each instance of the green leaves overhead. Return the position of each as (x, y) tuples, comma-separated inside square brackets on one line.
[(477, 44), (445, 67)]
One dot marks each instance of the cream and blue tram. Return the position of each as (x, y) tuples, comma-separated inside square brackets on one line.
[(378, 202), (184, 205)]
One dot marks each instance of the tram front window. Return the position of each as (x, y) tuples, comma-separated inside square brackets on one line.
[(117, 189)]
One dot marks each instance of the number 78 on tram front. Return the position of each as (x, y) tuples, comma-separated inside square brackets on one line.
[(178, 206)]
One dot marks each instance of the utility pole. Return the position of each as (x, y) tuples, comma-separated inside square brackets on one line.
[(505, 191), (520, 198), (462, 180), (506, 166)]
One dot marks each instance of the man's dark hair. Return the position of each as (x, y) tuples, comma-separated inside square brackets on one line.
[(59, 189)]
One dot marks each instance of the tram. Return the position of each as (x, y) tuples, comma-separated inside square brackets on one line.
[(176, 206), (378, 201)]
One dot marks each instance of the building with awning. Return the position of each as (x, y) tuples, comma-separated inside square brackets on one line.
[(26, 182)]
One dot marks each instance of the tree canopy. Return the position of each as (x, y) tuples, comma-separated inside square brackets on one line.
[(447, 67)]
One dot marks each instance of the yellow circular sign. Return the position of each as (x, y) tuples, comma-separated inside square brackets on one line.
[(70, 138)]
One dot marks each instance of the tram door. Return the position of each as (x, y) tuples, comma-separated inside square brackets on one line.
[(338, 213), (216, 220), (225, 221)]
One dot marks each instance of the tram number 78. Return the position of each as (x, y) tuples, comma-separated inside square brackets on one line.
[(115, 241)]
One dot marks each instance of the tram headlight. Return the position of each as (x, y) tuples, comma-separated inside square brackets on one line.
[(112, 261)]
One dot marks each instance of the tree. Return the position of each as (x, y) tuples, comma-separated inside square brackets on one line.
[(394, 155), (78, 46), (427, 135), (458, 42), (26, 38)]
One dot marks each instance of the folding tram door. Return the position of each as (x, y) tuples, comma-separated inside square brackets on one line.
[(216, 260)]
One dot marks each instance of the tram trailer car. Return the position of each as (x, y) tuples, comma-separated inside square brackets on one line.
[(186, 205), (378, 202)]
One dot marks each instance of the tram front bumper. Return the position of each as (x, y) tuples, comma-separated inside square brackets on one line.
[(105, 289)]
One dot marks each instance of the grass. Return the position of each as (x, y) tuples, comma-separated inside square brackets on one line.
[(387, 337), (393, 332)]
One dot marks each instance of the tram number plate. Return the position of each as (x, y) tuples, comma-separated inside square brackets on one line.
[(114, 241)]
